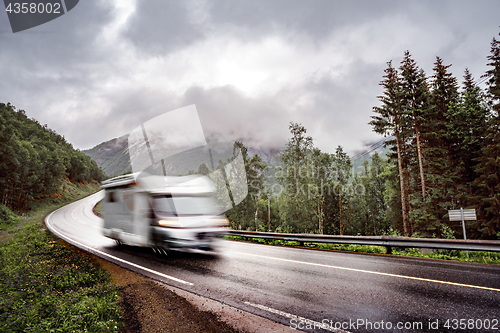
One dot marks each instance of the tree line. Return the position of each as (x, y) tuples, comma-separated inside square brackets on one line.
[(314, 192), (34, 160), (446, 144), (444, 154)]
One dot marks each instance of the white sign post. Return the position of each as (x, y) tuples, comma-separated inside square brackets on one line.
[(462, 215)]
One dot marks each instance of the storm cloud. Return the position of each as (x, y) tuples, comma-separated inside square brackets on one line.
[(251, 67)]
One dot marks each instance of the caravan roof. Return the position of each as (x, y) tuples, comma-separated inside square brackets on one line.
[(192, 184)]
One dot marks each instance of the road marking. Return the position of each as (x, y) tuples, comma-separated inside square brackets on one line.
[(92, 250), (312, 323), (77, 220), (372, 272)]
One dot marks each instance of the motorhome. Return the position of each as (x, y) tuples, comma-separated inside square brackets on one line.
[(162, 212)]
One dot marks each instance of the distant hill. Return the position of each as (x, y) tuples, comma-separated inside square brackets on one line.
[(112, 156)]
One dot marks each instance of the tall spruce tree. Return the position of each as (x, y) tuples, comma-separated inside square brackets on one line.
[(415, 103), (390, 120), (441, 186), (488, 181), (415, 95)]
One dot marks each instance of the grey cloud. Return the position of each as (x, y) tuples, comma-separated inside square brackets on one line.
[(62, 75), (342, 107), (159, 27), (228, 114), (62, 42), (45, 64), (316, 18), (225, 114)]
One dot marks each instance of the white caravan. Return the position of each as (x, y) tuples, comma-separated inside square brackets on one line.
[(165, 213)]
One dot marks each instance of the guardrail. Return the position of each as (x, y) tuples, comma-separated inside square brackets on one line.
[(388, 241)]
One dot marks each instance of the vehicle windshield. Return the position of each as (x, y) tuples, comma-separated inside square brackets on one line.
[(166, 205)]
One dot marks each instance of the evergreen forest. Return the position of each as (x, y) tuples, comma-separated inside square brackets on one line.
[(444, 140), (35, 160)]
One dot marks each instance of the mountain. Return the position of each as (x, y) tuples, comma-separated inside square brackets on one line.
[(112, 156)]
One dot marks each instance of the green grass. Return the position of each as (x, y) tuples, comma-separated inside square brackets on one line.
[(46, 286), (98, 208), (474, 256)]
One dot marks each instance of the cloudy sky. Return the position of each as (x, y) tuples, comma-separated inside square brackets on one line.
[(250, 67)]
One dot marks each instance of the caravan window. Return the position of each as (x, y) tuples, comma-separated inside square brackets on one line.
[(110, 196), (166, 205)]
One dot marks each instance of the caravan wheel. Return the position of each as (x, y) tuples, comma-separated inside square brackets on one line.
[(160, 251)]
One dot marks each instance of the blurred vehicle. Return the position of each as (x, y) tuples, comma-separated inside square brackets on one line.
[(162, 212)]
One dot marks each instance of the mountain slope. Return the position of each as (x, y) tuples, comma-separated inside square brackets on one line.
[(112, 156)]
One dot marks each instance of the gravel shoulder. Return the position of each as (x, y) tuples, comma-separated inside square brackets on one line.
[(151, 306)]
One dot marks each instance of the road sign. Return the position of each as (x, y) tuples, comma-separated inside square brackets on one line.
[(468, 214), (462, 215)]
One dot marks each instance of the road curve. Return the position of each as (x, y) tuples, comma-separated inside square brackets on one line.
[(314, 291)]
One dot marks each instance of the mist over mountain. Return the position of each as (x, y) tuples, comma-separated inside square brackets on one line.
[(113, 156), (114, 159)]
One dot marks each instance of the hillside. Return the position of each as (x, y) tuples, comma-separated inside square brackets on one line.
[(34, 161)]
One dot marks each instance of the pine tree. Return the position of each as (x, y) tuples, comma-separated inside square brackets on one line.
[(488, 181), (415, 100), (441, 188), (390, 120), (466, 123)]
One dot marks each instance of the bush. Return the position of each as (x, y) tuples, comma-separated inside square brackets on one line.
[(7, 217)]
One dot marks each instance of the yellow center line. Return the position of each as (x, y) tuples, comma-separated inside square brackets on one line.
[(371, 272)]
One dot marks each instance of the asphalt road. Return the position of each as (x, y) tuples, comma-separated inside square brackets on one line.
[(305, 288)]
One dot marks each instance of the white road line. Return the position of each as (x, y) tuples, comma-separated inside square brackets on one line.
[(77, 220), (298, 319), (371, 272), (92, 250)]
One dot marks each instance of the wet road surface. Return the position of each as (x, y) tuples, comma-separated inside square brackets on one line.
[(305, 288)]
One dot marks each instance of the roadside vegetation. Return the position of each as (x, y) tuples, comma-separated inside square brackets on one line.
[(46, 285), (474, 256)]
